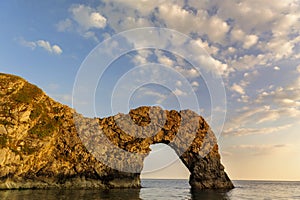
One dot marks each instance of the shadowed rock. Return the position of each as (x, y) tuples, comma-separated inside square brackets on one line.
[(44, 144)]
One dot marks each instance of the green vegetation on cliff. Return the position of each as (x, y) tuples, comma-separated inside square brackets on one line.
[(27, 94)]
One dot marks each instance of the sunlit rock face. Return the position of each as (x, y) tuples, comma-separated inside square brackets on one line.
[(44, 144)]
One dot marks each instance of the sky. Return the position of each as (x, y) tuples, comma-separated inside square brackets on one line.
[(237, 63)]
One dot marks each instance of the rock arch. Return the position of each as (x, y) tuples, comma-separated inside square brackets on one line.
[(185, 132)]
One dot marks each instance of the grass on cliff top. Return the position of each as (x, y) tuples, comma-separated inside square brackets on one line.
[(27, 93), (3, 77)]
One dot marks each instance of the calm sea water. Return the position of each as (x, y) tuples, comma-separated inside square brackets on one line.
[(168, 189)]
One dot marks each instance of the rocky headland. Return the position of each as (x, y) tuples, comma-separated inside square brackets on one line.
[(44, 144)]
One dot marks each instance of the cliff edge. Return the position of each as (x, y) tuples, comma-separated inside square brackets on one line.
[(44, 144)]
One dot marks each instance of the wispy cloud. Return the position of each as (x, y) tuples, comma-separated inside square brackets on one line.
[(226, 153), (46, 45), (237, 88), (254, 131), (260, 150), (177, 92), (64, 25)]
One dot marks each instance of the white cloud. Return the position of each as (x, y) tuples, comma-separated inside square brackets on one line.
[(290, 102), (284, 97), (84, 19), (247, 62), (55, 49), (90, 34), (250, 40), (276, 68), (153, 94), (298, 69), (271, 29), (237, 34), (165, 60), (124, 15), (244, 99), (132, 22), (249, 27), (175, 16), (146, 94), (141, 57), (237, 88), (195, 84), (231, 50), (178, 83), (26, 43), (284, 24), (205, 45), (143, 7), (64, 25), (87, 17), (268, 116), (188, 73), (276, 105), (44, 44), (255, 14), (140, 60), (217, 29), (241, 122), (48, 47), (178, 92), (243, 117), (279, 47)]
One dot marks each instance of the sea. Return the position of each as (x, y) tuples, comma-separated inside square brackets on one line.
[(157, 189)]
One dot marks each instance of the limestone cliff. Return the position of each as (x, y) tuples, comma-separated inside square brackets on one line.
[(44, 144)]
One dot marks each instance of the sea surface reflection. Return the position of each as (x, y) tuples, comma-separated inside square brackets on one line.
[(167, 189)]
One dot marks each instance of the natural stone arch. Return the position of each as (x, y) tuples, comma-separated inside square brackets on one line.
[(185, 132)]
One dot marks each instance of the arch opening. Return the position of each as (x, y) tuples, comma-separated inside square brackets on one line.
[(163, 163)]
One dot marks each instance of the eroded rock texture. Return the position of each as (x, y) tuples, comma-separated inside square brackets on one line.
[(44, 144)]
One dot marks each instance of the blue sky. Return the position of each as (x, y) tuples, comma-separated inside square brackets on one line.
[(253, 45)]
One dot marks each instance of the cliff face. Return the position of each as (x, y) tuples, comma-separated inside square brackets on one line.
[(40, 147), (44, 144)]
